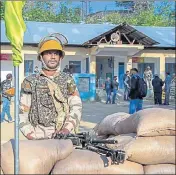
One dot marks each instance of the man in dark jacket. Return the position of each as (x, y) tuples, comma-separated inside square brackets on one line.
[(135, 100), (157, 84), (127, 86), (115, 86)]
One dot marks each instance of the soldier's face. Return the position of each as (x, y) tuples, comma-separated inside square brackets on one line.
[(52, 58)]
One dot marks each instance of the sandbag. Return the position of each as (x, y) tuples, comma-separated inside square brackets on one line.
[(122, 141), (148, 122), (152, 150), (36, 156), (87, 162), (106, 126), (160, 169), (156, 122)]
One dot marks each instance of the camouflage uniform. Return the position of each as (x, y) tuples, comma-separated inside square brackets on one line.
[(148, 78), (49, 103)]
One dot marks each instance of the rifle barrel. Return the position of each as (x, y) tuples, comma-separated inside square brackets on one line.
[(104, 141)]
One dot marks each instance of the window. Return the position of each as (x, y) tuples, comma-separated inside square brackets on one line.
[(75, 66), (28, 67), (170, 67)]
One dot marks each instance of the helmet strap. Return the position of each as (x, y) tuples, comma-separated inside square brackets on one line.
[(45, 66)]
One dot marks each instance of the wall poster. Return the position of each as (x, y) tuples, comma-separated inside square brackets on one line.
[(84, 84)]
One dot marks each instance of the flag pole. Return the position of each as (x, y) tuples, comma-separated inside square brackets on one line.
[(16, 73), (15, 28)]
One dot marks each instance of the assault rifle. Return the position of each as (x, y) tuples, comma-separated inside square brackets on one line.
[(85, 141)]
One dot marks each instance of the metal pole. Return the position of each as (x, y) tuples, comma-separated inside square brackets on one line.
[(16, 71)]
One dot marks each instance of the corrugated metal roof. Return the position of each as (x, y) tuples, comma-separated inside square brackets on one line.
[(163, 35), (77, 34)]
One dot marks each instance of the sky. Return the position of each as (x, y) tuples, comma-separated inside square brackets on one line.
[(108, 5)]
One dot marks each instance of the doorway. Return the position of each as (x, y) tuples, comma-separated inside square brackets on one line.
[(121, 74)]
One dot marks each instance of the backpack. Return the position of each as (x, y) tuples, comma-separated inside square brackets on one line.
[(142, 87)]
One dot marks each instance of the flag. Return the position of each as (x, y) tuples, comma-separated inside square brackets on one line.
[(15, 28)]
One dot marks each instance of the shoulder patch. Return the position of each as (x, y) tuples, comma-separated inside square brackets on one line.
[(26, 85)]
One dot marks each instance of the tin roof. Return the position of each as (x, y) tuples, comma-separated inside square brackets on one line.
[(78, 34)]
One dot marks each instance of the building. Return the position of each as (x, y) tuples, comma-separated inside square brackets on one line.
[(101, 49)]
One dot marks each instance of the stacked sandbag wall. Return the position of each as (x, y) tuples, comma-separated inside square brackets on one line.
[(35, 156), (148, 137)]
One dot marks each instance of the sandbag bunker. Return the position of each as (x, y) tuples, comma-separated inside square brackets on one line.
[(147, 137)]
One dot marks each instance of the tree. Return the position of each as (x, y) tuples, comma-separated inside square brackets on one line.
[(2, 9), (144, 14), (48, 11)]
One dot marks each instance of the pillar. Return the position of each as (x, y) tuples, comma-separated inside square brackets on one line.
[(92, 61), (129, 64), (162, 66)]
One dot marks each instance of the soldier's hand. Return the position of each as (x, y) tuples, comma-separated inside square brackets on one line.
[(62, 131), (29, 136)]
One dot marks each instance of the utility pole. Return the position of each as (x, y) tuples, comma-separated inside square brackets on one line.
[(85, 9)]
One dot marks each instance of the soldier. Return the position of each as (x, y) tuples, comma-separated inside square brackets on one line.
[(50, 103), (148, 77)]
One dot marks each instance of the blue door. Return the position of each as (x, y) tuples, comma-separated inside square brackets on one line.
[(28, 67), (121, 74)]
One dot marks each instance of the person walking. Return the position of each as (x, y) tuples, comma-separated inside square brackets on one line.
[(167, 85), (115, 86), (6, 98), (173, 86), (50, 103), (127, 86), (157, 84), (138, 90), (108, 88)]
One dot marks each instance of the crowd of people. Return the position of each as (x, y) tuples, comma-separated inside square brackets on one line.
[(137, 87)]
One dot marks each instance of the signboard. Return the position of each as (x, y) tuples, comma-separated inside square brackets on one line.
[(4, 56), (138, 60), (84, 84)]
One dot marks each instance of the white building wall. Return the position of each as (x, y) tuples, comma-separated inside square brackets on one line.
[(117, 60), (66, 60), (170, 60), (105, 67), (6, 67)]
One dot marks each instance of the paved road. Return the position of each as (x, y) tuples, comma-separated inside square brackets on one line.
[(93, 113)]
